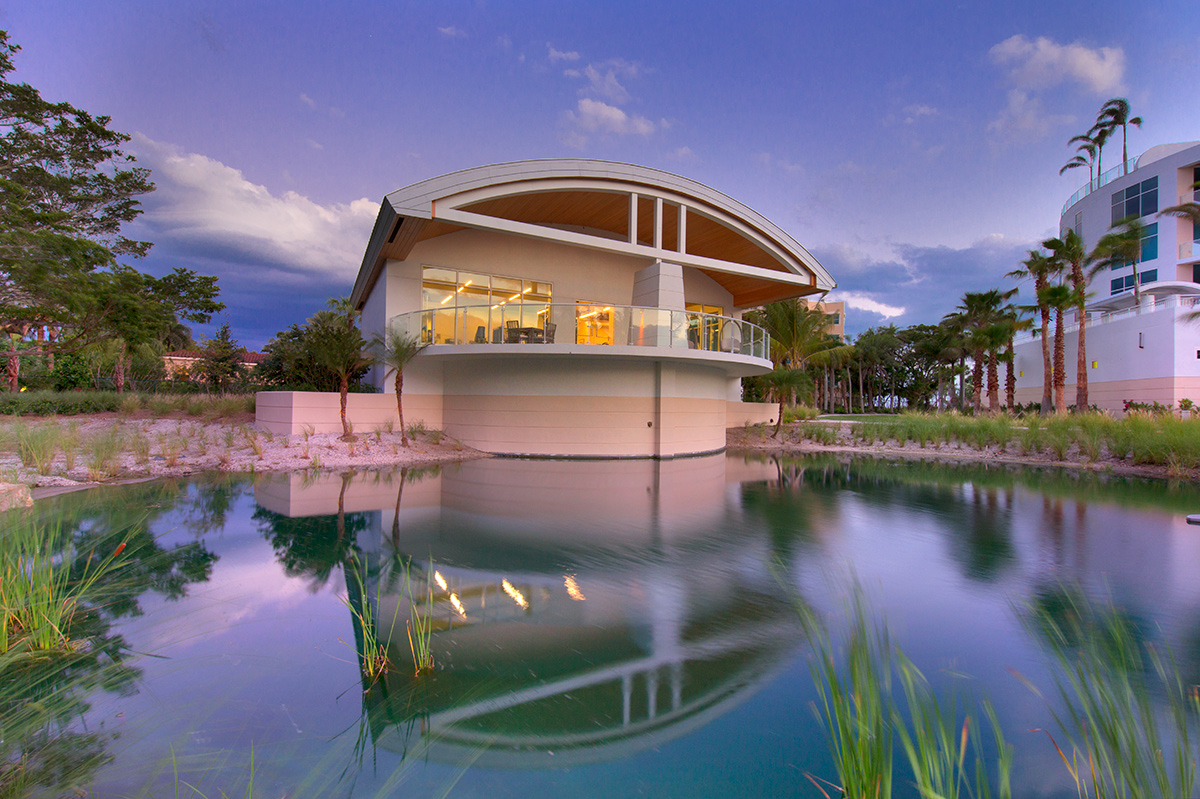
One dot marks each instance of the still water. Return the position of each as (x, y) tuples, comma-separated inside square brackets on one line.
[(615, 629)]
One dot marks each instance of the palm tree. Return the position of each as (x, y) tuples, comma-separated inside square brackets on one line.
[(1041, 268), (1120, 246), (782, 385), (797, 331), (1087, 145), (1116, 112), (393, 350), (1059, 298), (1070, 256), (977, 314), (1185, 210), (338, 346)]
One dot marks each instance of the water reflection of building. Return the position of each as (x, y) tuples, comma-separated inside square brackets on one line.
[(583, 611)]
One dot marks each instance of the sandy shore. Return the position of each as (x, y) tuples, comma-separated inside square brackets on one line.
[(148, 448), (789, 442)]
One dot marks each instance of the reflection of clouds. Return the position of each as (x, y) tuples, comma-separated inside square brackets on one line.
[(247, 589)]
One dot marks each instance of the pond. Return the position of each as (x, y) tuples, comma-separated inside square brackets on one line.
[(598, 628)]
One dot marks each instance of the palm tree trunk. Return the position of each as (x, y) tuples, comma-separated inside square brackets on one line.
[(977, 382), (14, 365), (400, 408), (1060, 400), (119, 374), (1081, 361), (1047, 370), (1010, 380), (993, 379), (862, 390), (344, 389)]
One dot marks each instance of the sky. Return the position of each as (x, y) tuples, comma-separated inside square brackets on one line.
[(913, 148)]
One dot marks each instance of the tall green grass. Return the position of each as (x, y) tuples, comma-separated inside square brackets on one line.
[(1139, 438), (1117, 742), (943, 748), (39, 597), (372, 649)]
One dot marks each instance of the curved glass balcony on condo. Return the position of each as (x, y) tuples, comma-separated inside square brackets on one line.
[(581, 323)]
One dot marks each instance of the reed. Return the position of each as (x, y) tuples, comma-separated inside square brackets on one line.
[(419, 624), (102, 451), (856, 708), (37, 445), (38, 595), (372, 650), (1118, 744)]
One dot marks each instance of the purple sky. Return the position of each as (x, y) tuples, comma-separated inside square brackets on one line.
[(913, 149)]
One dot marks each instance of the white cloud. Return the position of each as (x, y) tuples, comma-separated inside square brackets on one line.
[(308, 101), (559, 55), (604, 84), (682, 154), (314, 144), (453, 32), (772, 163), (210, 210), (914, 112), (1025, 119), (859, 301), (1043, 63), (594, 116), (504, 42)]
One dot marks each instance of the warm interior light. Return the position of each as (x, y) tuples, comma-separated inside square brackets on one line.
[(458, 605), (441, 581), (448, 298), (573, 589), (516, 595)]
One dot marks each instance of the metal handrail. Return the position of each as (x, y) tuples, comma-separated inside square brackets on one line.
[(595, 324), (1094, 319), (1120, 170)]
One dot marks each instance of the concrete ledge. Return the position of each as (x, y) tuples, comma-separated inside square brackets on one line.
[(292, 412), (740, 414)]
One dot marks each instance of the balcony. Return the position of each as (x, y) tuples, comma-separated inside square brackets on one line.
[(519, 325), (1189, 250), (1120, 170)]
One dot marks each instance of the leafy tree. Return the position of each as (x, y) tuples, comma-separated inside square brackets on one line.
[(1085, 156), (337, 344), (393, 350), (66, 189), (220, 363)]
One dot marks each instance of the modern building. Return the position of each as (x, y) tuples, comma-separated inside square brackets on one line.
[(571, 307), (837, 310), (1141, 344)]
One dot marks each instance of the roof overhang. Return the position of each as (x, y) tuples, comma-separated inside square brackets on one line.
[(614, 207)]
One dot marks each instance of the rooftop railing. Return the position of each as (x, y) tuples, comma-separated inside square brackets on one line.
[(1120, 170), (581, 323), (1094, 319)]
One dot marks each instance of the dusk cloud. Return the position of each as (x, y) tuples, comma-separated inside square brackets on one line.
[(1043, 63), (917, 284), (206, 209)]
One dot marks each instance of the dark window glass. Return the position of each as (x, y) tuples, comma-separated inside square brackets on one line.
[(1118, 285), (1149, 276), (1133, 206)]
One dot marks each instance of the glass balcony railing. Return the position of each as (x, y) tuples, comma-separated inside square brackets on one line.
[(1109, 176), (583, 323)]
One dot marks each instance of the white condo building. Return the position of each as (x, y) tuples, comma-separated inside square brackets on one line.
[(1147, 350)]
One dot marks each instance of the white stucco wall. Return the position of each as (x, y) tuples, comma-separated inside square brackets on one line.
[(1147, 354)]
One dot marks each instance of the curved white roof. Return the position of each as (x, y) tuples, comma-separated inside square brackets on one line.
[(449, 198)]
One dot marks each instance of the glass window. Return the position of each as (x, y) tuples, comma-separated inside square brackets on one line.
[(472, 307), (1150, 243), (1140, 199), (1149, 276), (1118, 285)]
